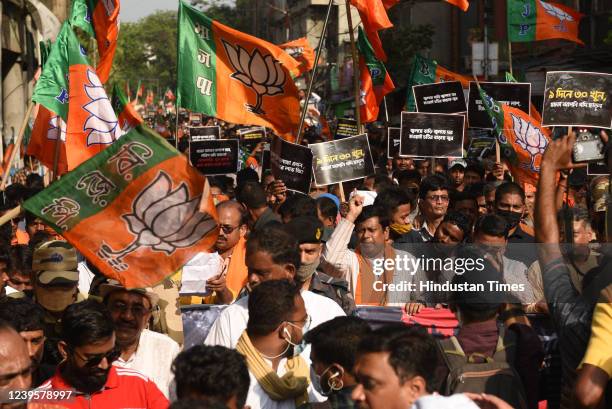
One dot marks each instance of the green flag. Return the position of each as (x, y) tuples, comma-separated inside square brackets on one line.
[(80, 16), (423, 71)]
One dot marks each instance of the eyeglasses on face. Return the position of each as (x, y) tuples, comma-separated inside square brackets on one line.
[(228, 229), (437, 198), (92, 361)]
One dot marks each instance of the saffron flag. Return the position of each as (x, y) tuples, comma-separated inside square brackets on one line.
[(233, 76), (535, 114), (99, 19), (521, 140), (48, 127), (303, 53), (536, 20), (80, 101), (126, 114), (373, 14), (169, 95), (425, 71), (462, 4), (375, 80), (135, 210)]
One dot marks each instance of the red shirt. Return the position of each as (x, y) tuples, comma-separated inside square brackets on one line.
[(124, 388)]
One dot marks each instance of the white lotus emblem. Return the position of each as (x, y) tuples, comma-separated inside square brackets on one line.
[(102, 124), (530, 139), (558, 13), (264, 74), (162, 219), (57, 126)]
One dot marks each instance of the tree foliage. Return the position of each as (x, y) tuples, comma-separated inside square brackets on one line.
[(407, 41), (146, 51)]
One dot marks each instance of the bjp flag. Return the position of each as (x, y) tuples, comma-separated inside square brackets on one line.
[(134, 210), (48, 127), (373, 14), (374, 78), (126, 114), (99, 19), (301, 50), (462, 4), (233, 76), (521, 140), (536, 20)]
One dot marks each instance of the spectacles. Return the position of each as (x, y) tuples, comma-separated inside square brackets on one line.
[(307, 321), (138, 310), (228, 229), (438, 198), (111, 356)]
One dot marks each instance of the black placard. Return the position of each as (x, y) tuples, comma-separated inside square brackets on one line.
[(440, 98), (393, 142), (573, 98), (597, 168), (432, 135), (514, 94), (215, 157), (292, 164), (342, 160), (479, 147), (204, 133), (346, 128)]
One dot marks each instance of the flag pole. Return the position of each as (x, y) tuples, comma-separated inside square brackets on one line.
[(24, 124), (314, 71), (56, 154), (349, 17), (386, 110), (510, 56), (497, 148)]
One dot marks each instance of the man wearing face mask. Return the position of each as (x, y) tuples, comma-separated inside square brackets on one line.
[(88, 348), (510, 204), (334, 347), (309, 232), (55, 282), (271, 254), (277, 321)]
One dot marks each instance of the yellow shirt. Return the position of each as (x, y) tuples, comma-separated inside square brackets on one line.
[(599, 350)]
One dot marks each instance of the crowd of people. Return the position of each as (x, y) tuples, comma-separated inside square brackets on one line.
[(289, 275)]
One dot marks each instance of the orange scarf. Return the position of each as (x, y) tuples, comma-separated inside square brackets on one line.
[(236, 276), (365, 294)]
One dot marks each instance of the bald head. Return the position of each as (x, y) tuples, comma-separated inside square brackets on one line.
[(15, 361)]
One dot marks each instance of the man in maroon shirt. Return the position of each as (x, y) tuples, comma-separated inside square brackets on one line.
[(87, 375)]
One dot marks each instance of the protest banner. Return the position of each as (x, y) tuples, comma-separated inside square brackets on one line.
[(346, 128), (251, 137), (292, 164), (214, 157), (342, 160), (440, 98), (479, 147), (597, 168), (393, 142), (573, 98), (513, 94), (204, 133), (431, 135)]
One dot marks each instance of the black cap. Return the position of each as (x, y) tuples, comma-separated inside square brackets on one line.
[(306, 229)]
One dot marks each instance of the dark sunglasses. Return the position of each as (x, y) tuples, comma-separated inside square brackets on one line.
[(228, 229), (111, 356)]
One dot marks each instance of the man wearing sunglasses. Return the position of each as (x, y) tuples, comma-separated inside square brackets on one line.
[(89, 350), (148, 352)]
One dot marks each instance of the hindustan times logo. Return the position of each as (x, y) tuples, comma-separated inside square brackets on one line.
[(412, 264)]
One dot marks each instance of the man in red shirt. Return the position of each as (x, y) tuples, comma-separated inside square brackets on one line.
[(88, 348)]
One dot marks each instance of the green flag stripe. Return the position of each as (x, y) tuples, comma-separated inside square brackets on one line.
[(521, 17), (377, 69), (140, 150), (197, 59), (81, 15), (423, 72), (496, 112), (118, 100)]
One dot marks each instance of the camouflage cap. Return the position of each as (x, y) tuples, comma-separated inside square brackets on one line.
[(55, 262)]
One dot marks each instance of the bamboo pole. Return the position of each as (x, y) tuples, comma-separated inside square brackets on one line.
[(357, 92), (10, 215), (314, 72), (24, 124), (510, 57)]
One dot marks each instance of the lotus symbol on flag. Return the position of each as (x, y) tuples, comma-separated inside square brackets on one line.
[(265, 75), (557, 12), (102, 124), (162, 219), (529, 138)]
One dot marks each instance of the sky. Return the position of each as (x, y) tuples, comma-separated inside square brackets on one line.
[(134, 10)]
